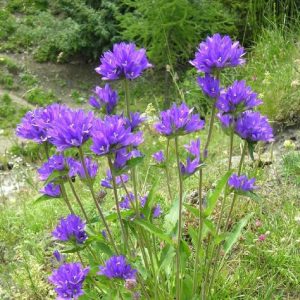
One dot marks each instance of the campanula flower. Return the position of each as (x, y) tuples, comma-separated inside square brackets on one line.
[(209, 85), (254, 127), (105, 98), (178, 120), (51, 190), (158, 157), (242, 183), (71, 227), (117, 267), (68, 280), (218, 52), (107, 181), (124, 61)]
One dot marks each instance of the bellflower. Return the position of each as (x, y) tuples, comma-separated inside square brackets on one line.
[(158, 157), (104, 98), (71, 129), (68, 280), (117, 267), (254, 127), (209, 85), (51, 190), (193, 161), (55, 163), (178, 120), (242, 183), (135, 120), (107, 181), (70, 227), (112, 134), (225, 119), (218, 52), (157, 211), (58, 256), (237, 98), (124, 61), (193, 147), (92, 168), (127, 200)]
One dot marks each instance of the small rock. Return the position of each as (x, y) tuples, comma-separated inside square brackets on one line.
[(10, 165)]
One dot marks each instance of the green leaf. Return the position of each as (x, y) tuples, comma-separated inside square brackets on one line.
[(114, 216), (56, 176), (153, 229), (104, 248), (187, 290), (150, 198), (166, 259), (250, 195), (171, 217), (233, 236), (212, 198), (193, 210), (43, 198), (251, 147)]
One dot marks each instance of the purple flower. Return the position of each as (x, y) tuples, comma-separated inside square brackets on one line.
[(58, 256), (156, 211), (254, 127), (68, 280), (193, 148), (209, 85), (127, 200), (218, 52), (72, 227), (91, 166), (117, 267), (51, 190), (107, 181), (237, 98), (55, 163), (242, 183), (104, 98), (178, 120), (124, 61), (112, 134), (135, 120), (71, 129), (35, 124), (225, 119), (159, 157), (190, 167)]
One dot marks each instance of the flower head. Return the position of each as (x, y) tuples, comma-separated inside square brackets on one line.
[(193, 147), (190, 167), (157, 211), (237, 98), (117, 267), (104, 98), (71, 129), (91, 166), (242, 183), (178, 120), (254, 127), (107, 181), (51, 190), (135, 120), (124, 61), (158, 157), (209, 85), (226, 119), (70, 227), (127, 201), (58, 256), (112, 134), (68, 280), (218, 52)]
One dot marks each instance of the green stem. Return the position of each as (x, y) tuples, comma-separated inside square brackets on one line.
[(167, 171), (126, 90), (178, 267), (117, 203), (78, 199), (210, 130), (199, 241), (90, 185), (65, 196)]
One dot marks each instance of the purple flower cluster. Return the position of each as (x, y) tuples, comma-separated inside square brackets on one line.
[(117, 267), (125, 61), (237, 98), (91, 166), (72, 227), (105, 98), (193, 161), (123, 156), (178, 120), (51, 189), (35, 124), (71, 129), (158, 157), (209, 85), (112, 134), (218, 52), (135, 120), (242, 183), (254, 127), (68, 280), (107, 181)]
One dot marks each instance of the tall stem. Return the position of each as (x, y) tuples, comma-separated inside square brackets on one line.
[(78, 199), (178, 268), (199, 241), (65, 196), (117, 203), (90, 185), (167, 170), (126, 90)]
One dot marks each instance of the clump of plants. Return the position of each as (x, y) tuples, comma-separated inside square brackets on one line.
[(136, 250)]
